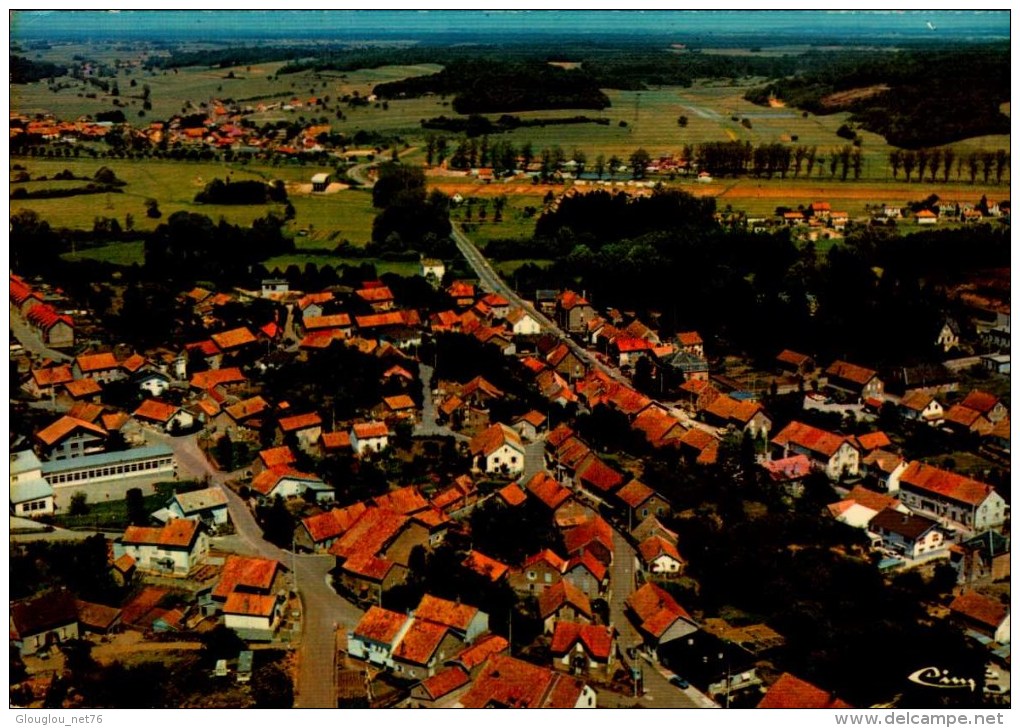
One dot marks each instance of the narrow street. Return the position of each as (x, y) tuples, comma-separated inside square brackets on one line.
[(30, 340), (323, 610), (429, 425)]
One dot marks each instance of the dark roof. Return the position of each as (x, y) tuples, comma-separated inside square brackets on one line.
[(907, 525), (44, 612)]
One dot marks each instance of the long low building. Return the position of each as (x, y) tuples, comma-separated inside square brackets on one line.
[(108, 476)]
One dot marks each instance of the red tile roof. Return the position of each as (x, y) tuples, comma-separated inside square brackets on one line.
[(559, 594), (217, 377), (544, 487), (420, 642), (689, 338), (873, 441), (336, 440), (155, 411), (533, 418), (368, 430), (559, 435), (380, 625), (333, 523), (810, 438), (788, 356), (234, 338), (596, 640), (792, 692), (51, 376), (406, 500), (83, 388), (251, 605), (334, 321), (133, 363), (399, 402), (658, 427), (445, 682), (980, 608), (274, 456), (785, 469), (493, 438), (963, 416), (512, 494), (247, 408), (944, 483), (115, 421), (656, 609), (365, 565), (445, 612), (655, 546), (88, 363), (65, 426), (851, 372), (206, 348), (248, 572), (734, 410), (545, 556), (567, 300), (44, 316), (599, 476), (485, 566), (917, 400), (178, 533), (983, 402), (375, 295), (266, 481), (587, 560), (296, 423), (370, 533), (473, 656), (459, 289)]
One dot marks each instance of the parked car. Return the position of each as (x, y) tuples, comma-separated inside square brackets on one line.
[(679, 682)]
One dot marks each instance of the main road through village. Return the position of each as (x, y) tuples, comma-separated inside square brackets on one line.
[(324, 612)]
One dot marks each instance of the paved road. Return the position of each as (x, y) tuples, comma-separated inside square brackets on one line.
[(30, 340), (429, 425), (323, 610)]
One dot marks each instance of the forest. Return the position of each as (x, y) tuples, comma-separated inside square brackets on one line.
[(913, 98)]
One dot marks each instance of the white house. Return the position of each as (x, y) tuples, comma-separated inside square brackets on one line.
[(947, 496), (42, 621), (176, 548), (949, 336), (153, 384), (907, 534), (921, 407), (659, 556), (522, 323), (286, 482), (499, 449), (432, 270), (377, 635), (208, 505), (835, 455), (31, 493), (369, 437), (253, 616)]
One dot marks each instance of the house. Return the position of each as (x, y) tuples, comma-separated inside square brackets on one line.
[(56, 330), (564, 361), (176, 548), (948, 337), (926, 217), (311, 304), (432, 270), (377, 635), (168, 416), (460, 495), (744, 415), (43, 621), (448, 683), (249, 412), (523, 323), (276, 456), (498, 449), (369, 437), (285, 482), (70, 437), (253, 616), (792, 692), (485, 566), (690, 342), (660, 428), (641, 501), (587, 572), (920, 406), (271, 286), (102, 368), (583, 649), (563, 600), (789, 473), (690, 366), (659, 556), (511, 495), (234, 340), (982, 614), (996, 363), (859, 381), (305, 428), (208, 505), (216, 378), (546, 489), (987, 404), (320, 532), (506, 682), (398, 408), (907, 534), (473, 657), (97, 618), (530, 424), (944, 495), (84, 390), (658, 616), (836, 455), (31, 493), (964, 419), (424, 646), (155, 384), (794, 362), (652, 526), (466, 621), (573, 312), (462, 293), (883, 469), (406, 501), (44, 381), (538, 572)]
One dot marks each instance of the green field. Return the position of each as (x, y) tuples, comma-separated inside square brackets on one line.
[(328, 219), (117, 253)]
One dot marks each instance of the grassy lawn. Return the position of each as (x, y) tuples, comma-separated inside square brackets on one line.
[(126, 254), (329, 219), (114, 514)]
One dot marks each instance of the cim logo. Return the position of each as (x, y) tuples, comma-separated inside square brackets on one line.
[(934, 677)]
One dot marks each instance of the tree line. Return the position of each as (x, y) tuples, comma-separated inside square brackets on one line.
[(934, 161)]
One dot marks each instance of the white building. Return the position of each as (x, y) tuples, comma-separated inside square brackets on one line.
[(31, 493), (499, 449), (522, 323), (253, 616), (369, 437), (949, 497), (432, 270), (108, 475), (176, 548), (208, 505)]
